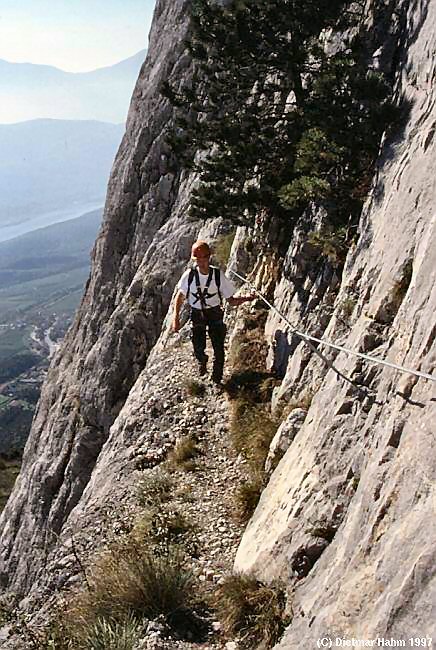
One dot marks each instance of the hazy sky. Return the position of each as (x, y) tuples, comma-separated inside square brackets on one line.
[(74, 35)]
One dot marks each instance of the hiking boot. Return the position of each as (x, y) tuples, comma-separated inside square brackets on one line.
[(217, 372), (217, 383), (202, 366), (216, 378)]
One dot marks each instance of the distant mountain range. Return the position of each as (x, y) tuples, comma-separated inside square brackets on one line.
[(29, 91), (53, 169), (59, 248)]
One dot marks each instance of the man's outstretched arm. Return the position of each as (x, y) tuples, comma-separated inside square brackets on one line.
[(180, 299), (235, 301)]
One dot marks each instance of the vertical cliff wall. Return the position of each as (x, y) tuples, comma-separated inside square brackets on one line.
[(348, 517), (141, 249)]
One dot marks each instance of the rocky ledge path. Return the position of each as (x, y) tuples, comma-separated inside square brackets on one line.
[(160, 412), (204, 494)]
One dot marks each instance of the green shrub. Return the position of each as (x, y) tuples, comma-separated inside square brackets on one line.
[(252, 610), (331, 243), (302, 190)]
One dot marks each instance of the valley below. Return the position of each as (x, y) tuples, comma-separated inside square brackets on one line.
[(42, 275)]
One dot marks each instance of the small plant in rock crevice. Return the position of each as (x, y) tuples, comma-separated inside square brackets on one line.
[(195, 388), (394, 298), (400, 288), (164, 527), (222, 247), (346, 307), (154, 488), (303, 401), (183, 455)]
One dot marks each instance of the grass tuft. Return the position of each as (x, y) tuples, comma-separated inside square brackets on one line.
[(247, 495), (130, 581), (107, 634), (252, 426), (252, 610), (252, 429), (166, 527)]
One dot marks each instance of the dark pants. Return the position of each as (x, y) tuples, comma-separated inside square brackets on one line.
[(211, 320)]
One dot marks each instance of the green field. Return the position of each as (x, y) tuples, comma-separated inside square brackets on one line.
[(13, 341), (69, 303), (42, 294)]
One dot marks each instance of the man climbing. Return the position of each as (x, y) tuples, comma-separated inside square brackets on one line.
[(203, 287)]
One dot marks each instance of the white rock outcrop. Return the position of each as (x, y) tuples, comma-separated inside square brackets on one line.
[(348, 517)]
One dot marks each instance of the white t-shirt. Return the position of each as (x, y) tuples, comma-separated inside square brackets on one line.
[(212, 298)]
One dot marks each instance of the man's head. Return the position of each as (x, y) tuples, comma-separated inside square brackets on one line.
[(201, 254)]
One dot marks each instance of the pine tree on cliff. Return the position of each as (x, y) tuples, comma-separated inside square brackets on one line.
[(280, 121)]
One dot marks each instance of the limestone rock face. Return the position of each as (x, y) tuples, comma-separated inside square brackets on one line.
[(348, 516), (141, 250), (283, 438)]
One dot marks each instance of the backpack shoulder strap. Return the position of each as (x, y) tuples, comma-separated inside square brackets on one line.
[(218, 283), (190, 279)]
